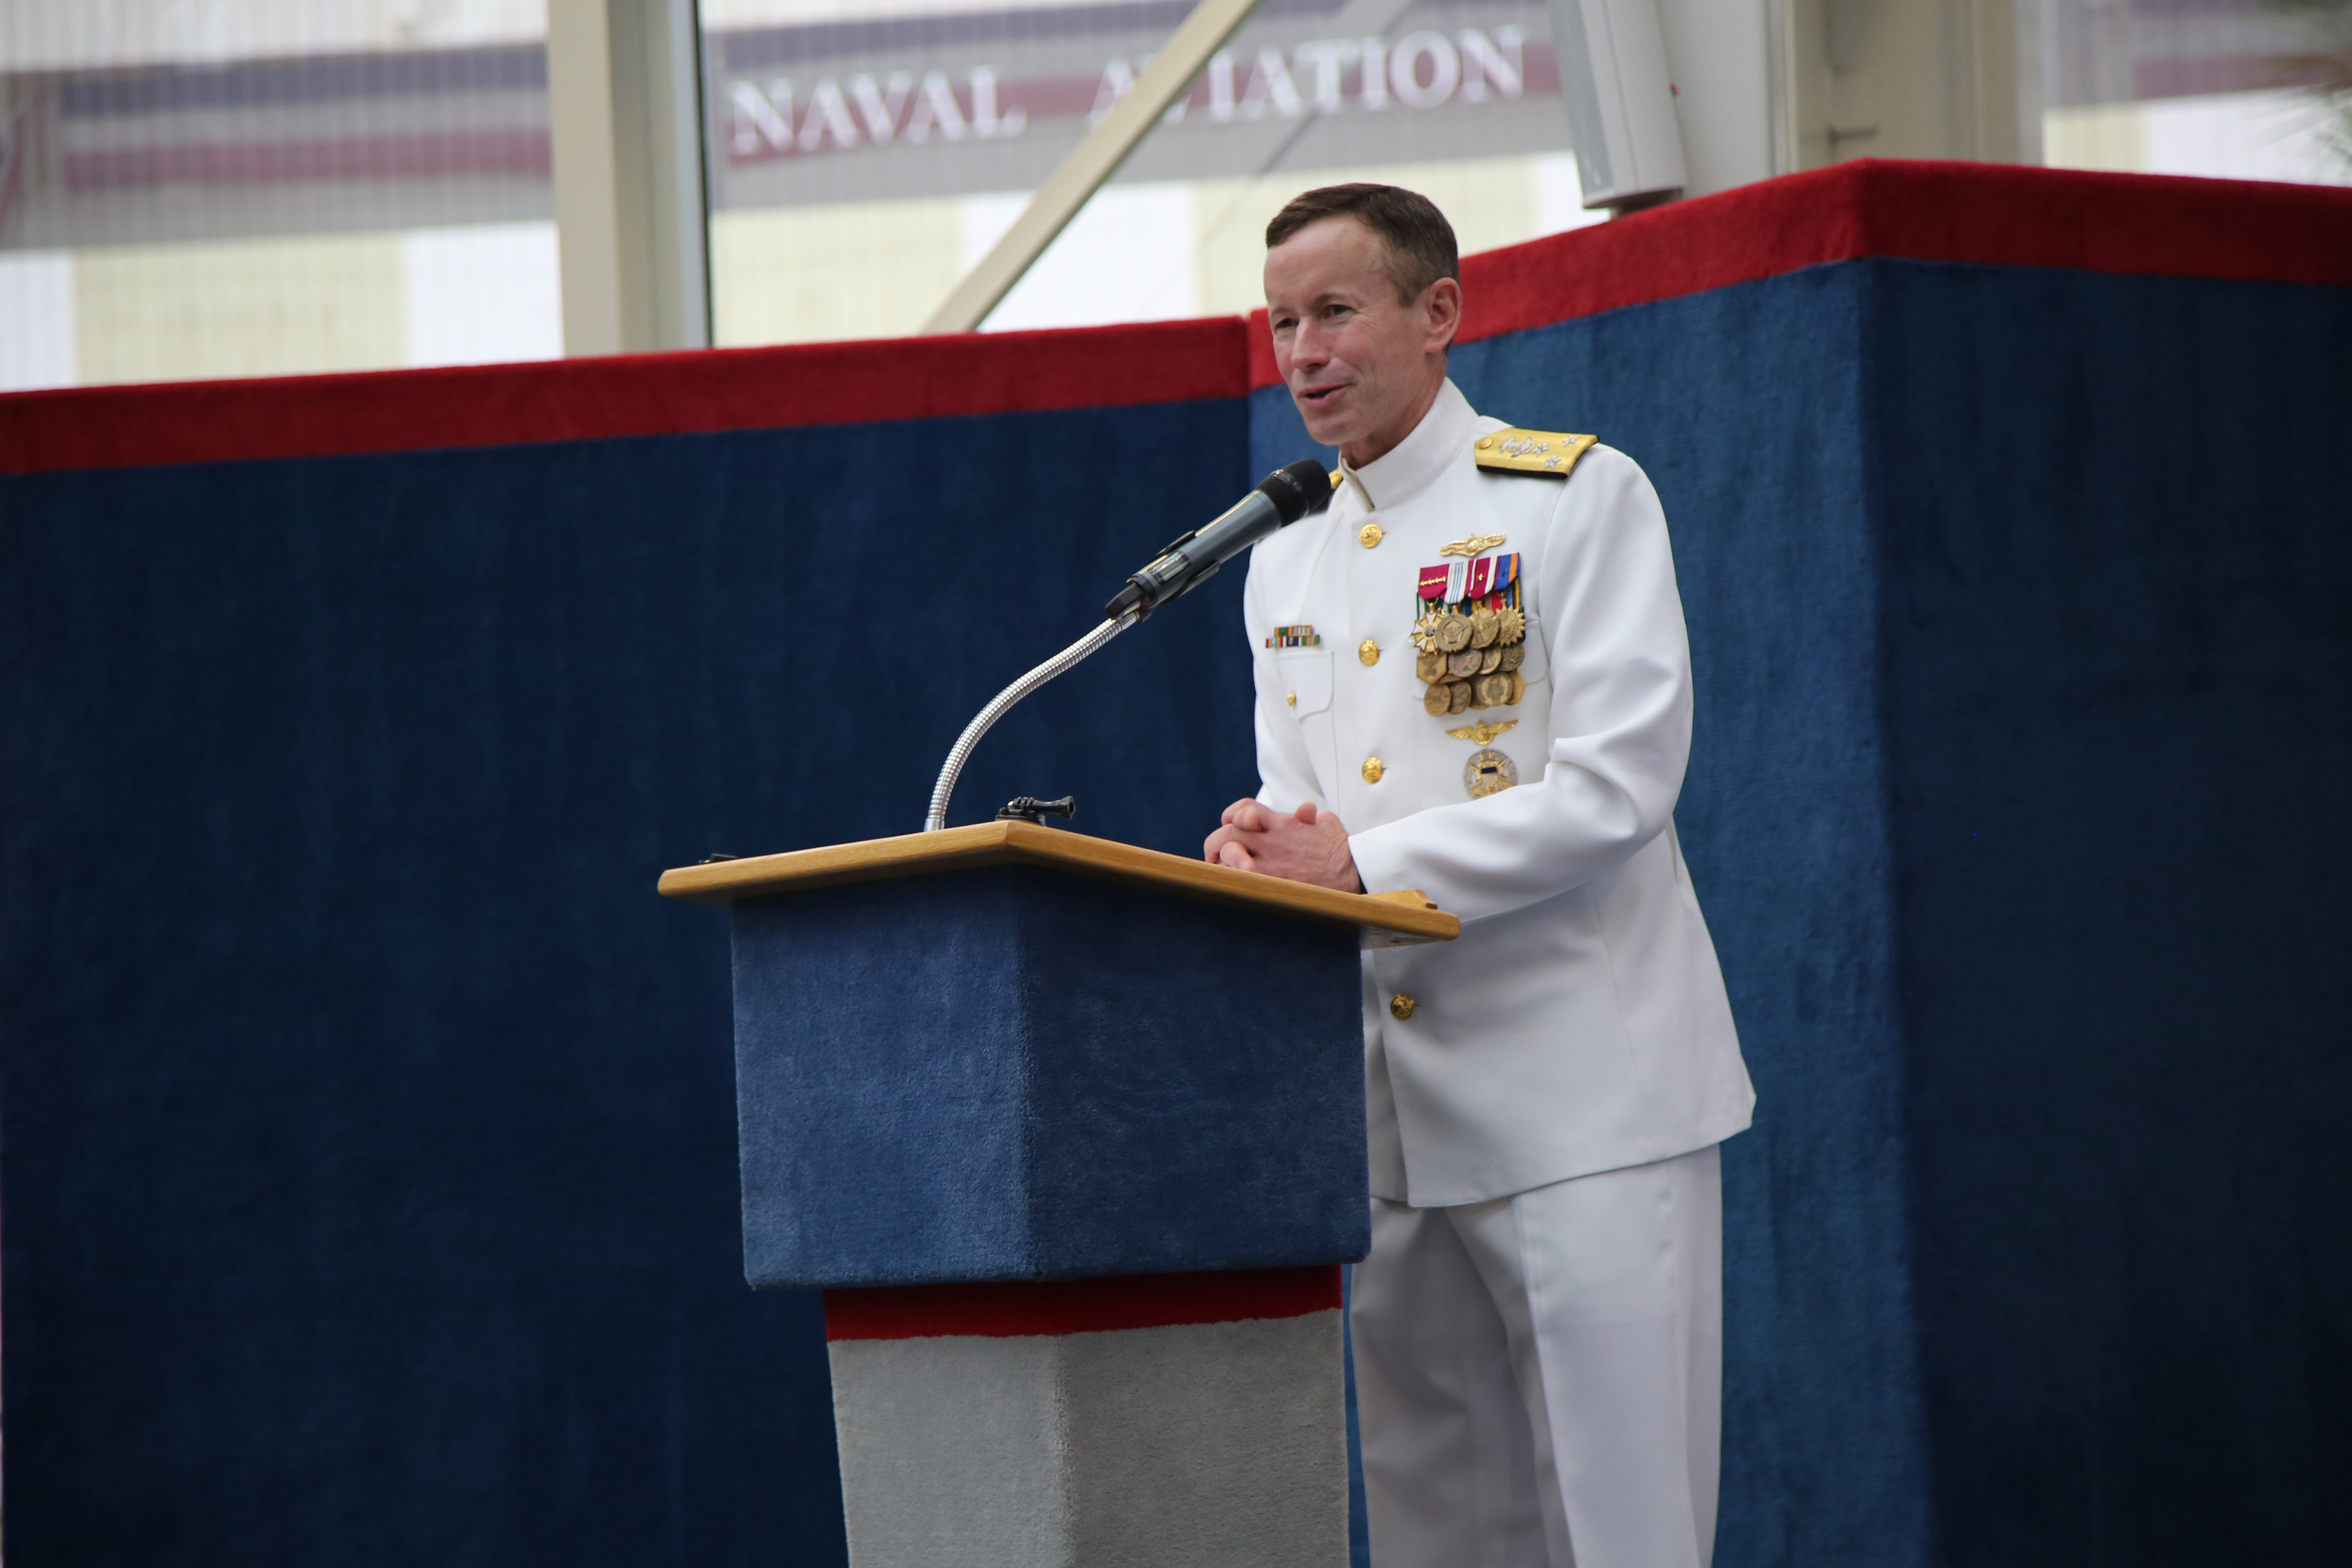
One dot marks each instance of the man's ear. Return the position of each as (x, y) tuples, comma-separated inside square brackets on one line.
[(1441, 309)]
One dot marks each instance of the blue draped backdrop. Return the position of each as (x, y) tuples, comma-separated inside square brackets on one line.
[(370, 1188)]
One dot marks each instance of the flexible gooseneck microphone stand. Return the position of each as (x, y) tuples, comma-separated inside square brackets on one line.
[(1283, 498)]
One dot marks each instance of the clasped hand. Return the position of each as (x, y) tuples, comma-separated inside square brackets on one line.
[(1304, 846)]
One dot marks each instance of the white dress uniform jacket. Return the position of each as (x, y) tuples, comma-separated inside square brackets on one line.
[(1579, 1023)]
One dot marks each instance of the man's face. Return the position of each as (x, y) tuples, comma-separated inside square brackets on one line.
[(1363, 366)]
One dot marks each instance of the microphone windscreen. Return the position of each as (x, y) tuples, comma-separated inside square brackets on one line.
[(1298, 490)]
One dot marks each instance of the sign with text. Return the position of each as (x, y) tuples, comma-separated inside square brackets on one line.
[(944, 105)]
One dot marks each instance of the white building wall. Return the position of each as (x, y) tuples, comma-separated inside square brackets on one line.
[(483, 294), (37, 321)]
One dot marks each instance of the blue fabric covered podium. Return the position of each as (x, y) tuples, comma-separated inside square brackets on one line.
[(1004, 1056), (1008, 1052)]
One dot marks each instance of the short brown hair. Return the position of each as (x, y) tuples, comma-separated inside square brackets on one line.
[(1420, 241)]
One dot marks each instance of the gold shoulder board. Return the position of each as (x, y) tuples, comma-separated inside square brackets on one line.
[(1532, 451)]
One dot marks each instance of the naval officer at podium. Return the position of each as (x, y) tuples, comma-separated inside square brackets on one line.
[(1476, 661)]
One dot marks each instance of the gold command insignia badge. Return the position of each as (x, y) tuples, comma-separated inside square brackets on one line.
[(1489, 773)]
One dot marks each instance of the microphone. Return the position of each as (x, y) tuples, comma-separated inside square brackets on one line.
[(1281, 499)]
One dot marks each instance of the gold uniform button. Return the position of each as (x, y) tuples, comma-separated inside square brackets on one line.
[(1401, 1007), (1373, 770), (1368, 535), (1292, 700), (1368, 652)]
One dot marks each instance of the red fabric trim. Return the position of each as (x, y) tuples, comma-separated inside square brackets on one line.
[(627, 395), (1079, 1306), (1993, 213)]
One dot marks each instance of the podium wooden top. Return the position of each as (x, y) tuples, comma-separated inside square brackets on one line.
[(1397, 918)]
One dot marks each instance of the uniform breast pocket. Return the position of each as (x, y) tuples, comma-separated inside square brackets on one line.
[(1304, 676), (1535, 664)]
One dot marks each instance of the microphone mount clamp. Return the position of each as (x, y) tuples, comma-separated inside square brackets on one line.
[(1029, 808)]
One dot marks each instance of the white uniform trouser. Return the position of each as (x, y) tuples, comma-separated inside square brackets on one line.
[(1539, 1379)]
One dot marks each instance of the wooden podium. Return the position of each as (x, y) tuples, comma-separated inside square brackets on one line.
[(1072, 1136)]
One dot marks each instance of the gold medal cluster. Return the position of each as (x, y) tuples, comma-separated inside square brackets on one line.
[(1470, 659)]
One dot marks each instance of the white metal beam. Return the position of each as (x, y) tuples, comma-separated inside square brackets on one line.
[(1093, 161), (626, 128)]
